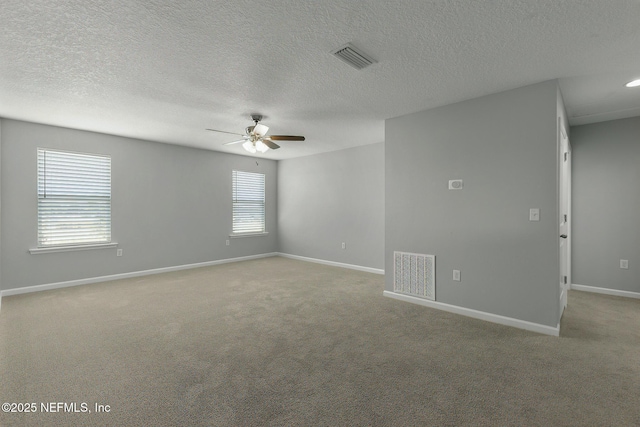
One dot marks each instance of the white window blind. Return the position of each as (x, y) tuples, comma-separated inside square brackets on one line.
[(74, 199), (248, 202)]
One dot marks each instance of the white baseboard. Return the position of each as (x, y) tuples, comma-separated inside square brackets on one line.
[(605, 291), (37, 288), (494, 318), (333, 263)]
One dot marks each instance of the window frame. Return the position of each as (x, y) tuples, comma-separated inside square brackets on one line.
[(73, 246), (237, 234)]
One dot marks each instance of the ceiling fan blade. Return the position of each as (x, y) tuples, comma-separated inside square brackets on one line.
[(235, 142), (224, 131), (270, 144), (260, 130), (286, 138)]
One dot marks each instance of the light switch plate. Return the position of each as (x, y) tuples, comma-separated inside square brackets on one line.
[(456, 275), (534, 214), (624, 263)]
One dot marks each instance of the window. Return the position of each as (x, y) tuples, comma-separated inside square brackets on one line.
[(248, 202), (74, 199)]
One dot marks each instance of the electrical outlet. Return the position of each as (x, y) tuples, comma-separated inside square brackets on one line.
[(456, 275), (227, 242), (534, 214), (344, 245), (119, 252), (456, 184), (624, 263)]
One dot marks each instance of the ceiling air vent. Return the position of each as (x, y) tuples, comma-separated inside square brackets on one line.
[(354, 57)]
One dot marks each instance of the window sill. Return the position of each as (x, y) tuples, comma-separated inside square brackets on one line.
[(38, 251), (238, 235)]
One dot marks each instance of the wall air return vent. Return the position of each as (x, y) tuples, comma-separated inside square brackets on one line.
[(353, 56), (414, 274)]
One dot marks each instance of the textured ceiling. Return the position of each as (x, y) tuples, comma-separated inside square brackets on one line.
[(165, 71)]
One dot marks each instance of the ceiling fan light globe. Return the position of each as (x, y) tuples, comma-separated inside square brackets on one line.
[(260, 129), (261, 147), (248, 145)]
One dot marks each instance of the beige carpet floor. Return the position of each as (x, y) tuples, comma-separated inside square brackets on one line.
[(279, 342)]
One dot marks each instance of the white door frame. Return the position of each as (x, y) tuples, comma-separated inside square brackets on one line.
[(564, 202)]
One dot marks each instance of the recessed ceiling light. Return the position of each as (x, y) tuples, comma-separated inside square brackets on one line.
[(634, 83)]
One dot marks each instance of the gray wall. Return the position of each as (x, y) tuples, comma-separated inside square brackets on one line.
[(606, 204), (330, 198), (504, 147), (171, 206)]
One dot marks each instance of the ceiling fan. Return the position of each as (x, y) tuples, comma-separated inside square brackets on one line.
[(255, 137)]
